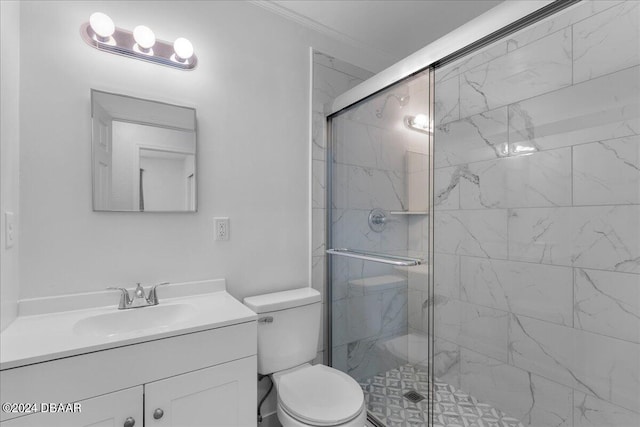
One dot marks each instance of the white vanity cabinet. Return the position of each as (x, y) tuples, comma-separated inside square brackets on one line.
[(112, 409), (214, 396), (205, 378)]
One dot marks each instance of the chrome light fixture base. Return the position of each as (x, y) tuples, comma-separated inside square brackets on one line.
[(121, 42)]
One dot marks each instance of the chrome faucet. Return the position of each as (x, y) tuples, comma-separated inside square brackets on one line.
[(139, 299)]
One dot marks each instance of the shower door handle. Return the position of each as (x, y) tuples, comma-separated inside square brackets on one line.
[(398, 261)]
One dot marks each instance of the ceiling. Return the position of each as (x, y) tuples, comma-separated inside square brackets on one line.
[(394, 28)]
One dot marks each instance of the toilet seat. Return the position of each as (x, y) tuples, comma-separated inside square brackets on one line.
[(321, 396)]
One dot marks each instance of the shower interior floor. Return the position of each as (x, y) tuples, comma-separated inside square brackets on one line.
[(384, 397)]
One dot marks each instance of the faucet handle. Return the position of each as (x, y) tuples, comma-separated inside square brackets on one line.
[(153, 294), (125, 299), (139, 292)]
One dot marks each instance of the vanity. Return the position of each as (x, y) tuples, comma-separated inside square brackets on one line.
[(188, 361)]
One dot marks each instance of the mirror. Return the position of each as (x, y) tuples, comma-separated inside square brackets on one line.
[(144, 155)]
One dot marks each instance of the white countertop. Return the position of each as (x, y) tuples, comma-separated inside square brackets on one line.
[(42, 337)]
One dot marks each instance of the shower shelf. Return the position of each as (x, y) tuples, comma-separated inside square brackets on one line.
[(376, 257), (409, 213)]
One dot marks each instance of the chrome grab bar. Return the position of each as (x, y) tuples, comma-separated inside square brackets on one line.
[(399, 261)]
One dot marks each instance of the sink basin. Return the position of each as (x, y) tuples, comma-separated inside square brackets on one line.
[(135, 320)]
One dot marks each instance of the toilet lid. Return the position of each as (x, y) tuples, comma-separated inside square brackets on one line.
[(320, 395)]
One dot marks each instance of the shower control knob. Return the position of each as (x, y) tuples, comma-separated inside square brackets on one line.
[(158, 413), (129, 422)]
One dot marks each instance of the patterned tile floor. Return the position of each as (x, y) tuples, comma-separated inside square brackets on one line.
[(452, 408)]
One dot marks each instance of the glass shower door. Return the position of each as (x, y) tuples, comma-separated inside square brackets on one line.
[(378, 221)]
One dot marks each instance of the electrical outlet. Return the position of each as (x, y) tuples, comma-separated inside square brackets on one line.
[(221, 228)]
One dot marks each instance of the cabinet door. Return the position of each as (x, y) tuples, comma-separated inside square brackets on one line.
[(220, 396), (116, 409)]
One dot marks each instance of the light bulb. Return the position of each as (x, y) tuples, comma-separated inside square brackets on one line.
[(183, 48), (144, 37), (102, 25), (421, 121)]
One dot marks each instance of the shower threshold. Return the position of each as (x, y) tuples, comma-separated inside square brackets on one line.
[(392, 398)]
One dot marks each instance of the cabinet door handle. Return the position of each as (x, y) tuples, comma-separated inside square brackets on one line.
[(129, 422), (157, 414)]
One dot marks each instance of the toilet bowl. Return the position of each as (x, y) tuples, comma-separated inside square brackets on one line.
[(319, 396), (288, 331)]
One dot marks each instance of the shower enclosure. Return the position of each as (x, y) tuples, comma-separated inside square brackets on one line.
[(483, 226)]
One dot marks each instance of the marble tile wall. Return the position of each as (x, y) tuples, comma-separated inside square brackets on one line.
[(378, 163), (537, 224), (331, 77)]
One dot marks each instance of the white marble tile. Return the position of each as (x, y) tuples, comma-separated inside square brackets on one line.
[(534, 180), (446, 275), (468, 62), (393, 239), (318, 136), (414, 232), (447, 104), (607, 237), (374, 188), (590, 411), (351, 230), (447, 317), (318, 184), (446, 362), (479, 137), (483, 330), (329, 83), (367, 357), (601, 366), (541, 291), (608, 303), (368, 146), (417, 315), (607, 172), (318, 266), (596, 110), (472, 232), (318, 231), (602, 237), (383, 110), (556, 22), (446, 183), (356, 318), (395, 311), (607, 42), (539, 67), (534, 400)]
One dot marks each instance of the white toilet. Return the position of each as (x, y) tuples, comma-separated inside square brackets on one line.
[(288, 328)]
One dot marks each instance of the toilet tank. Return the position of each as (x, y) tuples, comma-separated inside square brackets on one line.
[(288, 328)]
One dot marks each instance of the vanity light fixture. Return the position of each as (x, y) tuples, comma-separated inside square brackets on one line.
[(101, 33), (419, 122)]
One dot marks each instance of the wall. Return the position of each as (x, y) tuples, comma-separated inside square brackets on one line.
[(251, 92), (9, 153), (537, 256)]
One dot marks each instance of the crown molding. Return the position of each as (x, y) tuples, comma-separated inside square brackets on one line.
[(318, 27)]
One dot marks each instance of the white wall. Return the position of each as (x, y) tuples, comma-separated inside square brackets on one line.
[(251, 92), (9, 152)]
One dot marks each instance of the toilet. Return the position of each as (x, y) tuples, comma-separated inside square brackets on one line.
[(288, 329)]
